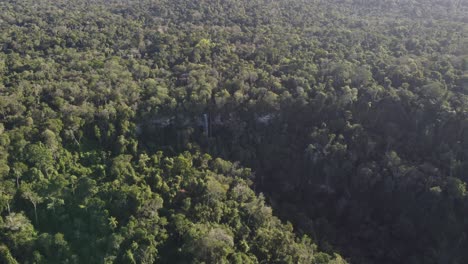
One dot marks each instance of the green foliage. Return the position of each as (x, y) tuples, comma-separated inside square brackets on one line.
[(352, 116)]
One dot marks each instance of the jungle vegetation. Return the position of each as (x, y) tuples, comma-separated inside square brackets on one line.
[(234, 131)]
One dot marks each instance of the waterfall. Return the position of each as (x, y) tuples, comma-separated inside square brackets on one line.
[(205, 125)]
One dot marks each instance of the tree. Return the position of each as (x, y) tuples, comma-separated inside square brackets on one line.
[(7, 192), (40, 157), (5, 256), (18, 232), (28, 194), (213, 246), (19, 169)]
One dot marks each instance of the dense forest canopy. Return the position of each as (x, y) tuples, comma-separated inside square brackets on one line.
[(234, 131)]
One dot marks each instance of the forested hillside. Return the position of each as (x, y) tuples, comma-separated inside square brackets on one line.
[(234, 131)]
